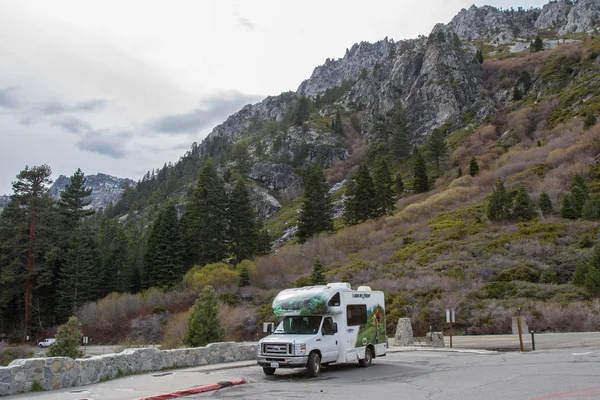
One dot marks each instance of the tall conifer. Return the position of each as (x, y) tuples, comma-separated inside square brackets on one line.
[(360, 204), (420, 178), (316, 214), (384, 194), (242, 230)]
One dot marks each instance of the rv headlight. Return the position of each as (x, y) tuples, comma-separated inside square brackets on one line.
[(299, 349), (259, 348)]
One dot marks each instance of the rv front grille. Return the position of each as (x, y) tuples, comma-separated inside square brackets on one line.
[(277, 349)]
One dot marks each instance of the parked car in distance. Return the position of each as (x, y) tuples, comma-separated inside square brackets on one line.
[(46, 342)]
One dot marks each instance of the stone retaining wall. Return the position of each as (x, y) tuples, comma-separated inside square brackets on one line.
[(60, 372)]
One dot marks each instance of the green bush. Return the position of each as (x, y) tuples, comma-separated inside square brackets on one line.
[(67, 340), (520, 273), (204, 325)]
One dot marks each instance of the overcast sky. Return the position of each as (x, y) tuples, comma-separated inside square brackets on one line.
[(121, 87)]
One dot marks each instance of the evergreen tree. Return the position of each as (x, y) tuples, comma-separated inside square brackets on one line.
[(68, 337), (438, 148), (338, 127), (317, 277), (573, 203), (242, 232), (204, 222), (459, 172), (473, 166), (479, 56), (75, 199), (537, 44), (263, 243), (523, 208), (360, 192), (28, 191), (113, 246), (400, 142), (204, 325), (581, 271), (517, 95), (591, 209), (399, 184), (316, 214), (420, 178), (592, 281), (499, 205), (589, 121), (164, 260), (545, 204), (77, 283), (244, 276), (301, 112), (384, 195)]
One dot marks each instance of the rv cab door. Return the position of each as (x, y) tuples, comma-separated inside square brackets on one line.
[(329, 341)]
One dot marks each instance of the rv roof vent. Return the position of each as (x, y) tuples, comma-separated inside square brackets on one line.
[(364, 288), (339, 284)]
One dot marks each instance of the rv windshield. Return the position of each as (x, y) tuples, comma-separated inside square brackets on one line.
[(300, 325)]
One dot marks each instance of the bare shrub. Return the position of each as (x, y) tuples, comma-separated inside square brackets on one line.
[(175, 330), (148, 329), (240, 323), (10, 353)]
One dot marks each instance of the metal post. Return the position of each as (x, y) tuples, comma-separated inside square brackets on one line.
[(532, 341), (520, 334), (450, 333)]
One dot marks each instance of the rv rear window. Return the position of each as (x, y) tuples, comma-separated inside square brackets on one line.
[(357, 314)]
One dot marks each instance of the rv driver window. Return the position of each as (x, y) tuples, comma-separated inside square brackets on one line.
[(357, 314)]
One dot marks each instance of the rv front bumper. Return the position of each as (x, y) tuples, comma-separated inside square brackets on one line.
[(282, 362)]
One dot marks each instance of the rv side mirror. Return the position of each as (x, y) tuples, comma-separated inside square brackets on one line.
[(334, 328)]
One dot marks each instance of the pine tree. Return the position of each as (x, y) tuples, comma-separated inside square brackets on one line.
[(338, 127), (538, 44), (420, 178), (573, 203), (204, 221), (517, 95), (77, 282), (400, 142), (438, 148), (112, 247), (523, 208), (244, 276), (164, 264), (479, 56), (68, 337), (204, 325), (591, 209), (592, 281), (499, 205), (581, 271), (589, 121), (301, 113), (316, 214), (399, 184), (359, 205), (459, 172), (473, 166), (384, 195), (242, 232), (75, 199), (28, 191), (545, 204), (317, 277)]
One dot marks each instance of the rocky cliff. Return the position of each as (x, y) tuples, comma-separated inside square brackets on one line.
[(106, 188)]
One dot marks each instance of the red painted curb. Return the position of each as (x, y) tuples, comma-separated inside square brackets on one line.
[(199, 389)]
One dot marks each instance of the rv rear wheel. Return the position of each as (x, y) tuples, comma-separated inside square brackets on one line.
[(365, 362), (314, 365), (268, 370)]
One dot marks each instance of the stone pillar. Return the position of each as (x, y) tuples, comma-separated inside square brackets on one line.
[(436, 339), (404, 333)]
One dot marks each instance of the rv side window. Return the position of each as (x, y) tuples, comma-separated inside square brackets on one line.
[(357, 314), (335, 300)]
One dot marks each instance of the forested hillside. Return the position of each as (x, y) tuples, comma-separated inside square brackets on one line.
[(454, 170)]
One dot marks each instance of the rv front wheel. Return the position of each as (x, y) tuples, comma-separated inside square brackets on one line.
[(365, 362), (268, 370), (314, 365)]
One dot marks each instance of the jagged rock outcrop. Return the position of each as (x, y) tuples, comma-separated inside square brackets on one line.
[(583, 17), (263, 203), (106, 188), (273, 108), (275, 176), (553, 14), (361, 56), (436, 81)]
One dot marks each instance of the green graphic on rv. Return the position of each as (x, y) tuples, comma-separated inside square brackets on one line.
[(373, 331)]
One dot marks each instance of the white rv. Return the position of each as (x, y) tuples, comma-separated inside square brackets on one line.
[(330, 324)]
